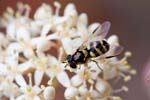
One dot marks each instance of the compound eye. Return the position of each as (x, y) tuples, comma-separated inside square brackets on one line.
[(73, 65)]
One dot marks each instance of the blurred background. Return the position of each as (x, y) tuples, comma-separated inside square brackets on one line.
[(130, 21)]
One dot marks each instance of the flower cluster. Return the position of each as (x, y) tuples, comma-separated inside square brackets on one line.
[(32, 51)]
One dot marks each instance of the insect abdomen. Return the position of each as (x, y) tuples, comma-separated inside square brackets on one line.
[(98, 48)]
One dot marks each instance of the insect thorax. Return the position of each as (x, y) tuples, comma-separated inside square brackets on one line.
[(80, 56)]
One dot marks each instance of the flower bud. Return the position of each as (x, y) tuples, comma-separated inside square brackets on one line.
[(70, 93), (49, 93)]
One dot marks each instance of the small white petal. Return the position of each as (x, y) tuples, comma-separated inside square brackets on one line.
[(70, 46), (50, 74), (11, 30), (83, 18), (110, 72), (4, 41), (22, 97), (70, 10), (76, 43), (53, 60), (103, 87), (41, 43), (70, 93), (25, 66), (70, 13), (35, 28), (52, 36), (34, 41), (46, 28), (36, 89), (113, 40), (22, 34), (59, 20), (12, 60), (43, 12), (14, 48), (82, 24), (3, 69), (76, 80), (12, 98), (29, 53), (63, 78), (8, 88), (93, 66), (49, 93), (66, 44), (37, 98), (83, 90), (38, 75), (94, 94), (20, 81)]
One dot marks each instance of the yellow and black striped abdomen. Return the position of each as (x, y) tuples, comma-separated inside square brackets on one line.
[(98, 48)]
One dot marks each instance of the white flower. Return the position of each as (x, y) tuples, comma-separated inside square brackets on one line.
[(27, 46), (86, 74), (11, 68), (29, 91), (56, 70), (8, 88), (41, 64)]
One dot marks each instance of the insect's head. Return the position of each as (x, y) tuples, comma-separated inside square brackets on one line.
[(70, 62), (69, 58)]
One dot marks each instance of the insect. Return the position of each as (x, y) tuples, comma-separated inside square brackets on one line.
[(91, 48)]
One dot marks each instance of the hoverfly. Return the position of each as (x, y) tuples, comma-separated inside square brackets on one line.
[(93, 47)]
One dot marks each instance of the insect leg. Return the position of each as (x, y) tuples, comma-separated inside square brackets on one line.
[(64, 62), (107, 57), (66, 65), (111, 56), (95, 29), (98, 66)]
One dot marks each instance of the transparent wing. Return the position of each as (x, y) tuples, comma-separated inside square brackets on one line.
[(118, 50), (101, 32), (114, 51), (98, 34)]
